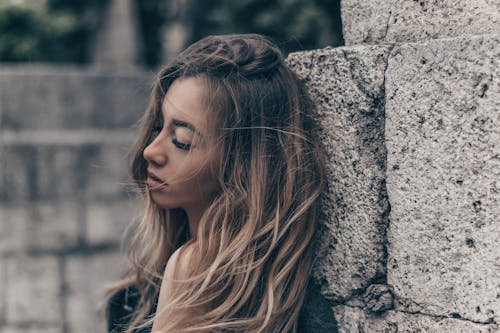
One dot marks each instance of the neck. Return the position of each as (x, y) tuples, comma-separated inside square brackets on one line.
[(194, 217), (194, 214)]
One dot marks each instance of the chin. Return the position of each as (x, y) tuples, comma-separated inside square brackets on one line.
[(161, 201)]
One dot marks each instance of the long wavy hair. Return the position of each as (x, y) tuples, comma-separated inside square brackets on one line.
[(253, 251)]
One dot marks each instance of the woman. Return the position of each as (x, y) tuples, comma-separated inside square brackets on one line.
[(228, 162)]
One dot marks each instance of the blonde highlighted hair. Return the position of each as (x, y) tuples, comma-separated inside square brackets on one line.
[(253, 251)]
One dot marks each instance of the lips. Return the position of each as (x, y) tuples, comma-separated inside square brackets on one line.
[(154, 181)]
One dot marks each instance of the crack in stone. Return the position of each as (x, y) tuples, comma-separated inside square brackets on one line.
[(452, 316), (387, 25), (420, 313), (378, 96), (384, 222), (383, 195)]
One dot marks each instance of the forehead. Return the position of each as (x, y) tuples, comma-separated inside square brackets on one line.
[(185, 101)]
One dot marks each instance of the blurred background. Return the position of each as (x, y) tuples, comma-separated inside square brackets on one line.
[(75, 77), (149, 32)]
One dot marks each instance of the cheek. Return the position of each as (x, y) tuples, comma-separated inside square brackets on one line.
[(206, 180), (191, 177)]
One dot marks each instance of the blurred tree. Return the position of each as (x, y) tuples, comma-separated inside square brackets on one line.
[(295, 24), (62, 30), (152, 15), (54, 31)]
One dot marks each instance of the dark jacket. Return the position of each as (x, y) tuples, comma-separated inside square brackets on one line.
[(316, 315)]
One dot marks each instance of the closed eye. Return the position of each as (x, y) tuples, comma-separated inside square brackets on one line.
[(180, 145)]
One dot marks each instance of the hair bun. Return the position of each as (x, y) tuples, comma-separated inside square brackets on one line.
[(255, 56)]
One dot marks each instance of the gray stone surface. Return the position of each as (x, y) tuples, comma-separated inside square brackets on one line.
[(354, 320), (63, 142), (60, 172), (87, 278), (348, 87), (107, 172), (17, 173), (54, 171), (108, 220), (64, 135), (32, 290), (55, 225), (3, 285), (40, 225), (387, 21), (32, 329), (14, 230), (443, 168), (71, 98)]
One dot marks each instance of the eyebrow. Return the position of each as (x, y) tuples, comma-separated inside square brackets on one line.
[(184, 124)]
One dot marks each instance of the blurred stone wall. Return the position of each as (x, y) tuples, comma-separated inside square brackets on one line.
[(410, 237), (411, 116), (64, 195)]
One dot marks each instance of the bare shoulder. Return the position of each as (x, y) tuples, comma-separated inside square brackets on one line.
[(176, 270), (179, 263)]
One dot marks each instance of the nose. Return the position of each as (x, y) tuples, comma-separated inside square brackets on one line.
[(154, 154)]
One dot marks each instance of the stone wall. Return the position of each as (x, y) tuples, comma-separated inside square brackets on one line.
[(410, 235), (398, 21), (64, 195), (411, 111)]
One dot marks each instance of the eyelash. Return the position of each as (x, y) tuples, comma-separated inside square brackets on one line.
[(180, 145), (183, 146)]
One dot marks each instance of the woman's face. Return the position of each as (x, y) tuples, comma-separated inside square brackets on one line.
[(183, 151)]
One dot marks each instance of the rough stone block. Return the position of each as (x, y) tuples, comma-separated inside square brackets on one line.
[(61, 172), (108, 172), (14, 228), (352, 319), (387, 21), (107, 221), (33, 290), (32, 329), (347, 85), (18, 173), (443, 167), (46, 225), (55, 225), (33, 172), (87, 278), (3, 287), (69, 97)]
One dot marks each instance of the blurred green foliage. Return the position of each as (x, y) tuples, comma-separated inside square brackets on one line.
[(295, 24), (62, 30), (49, 31)]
